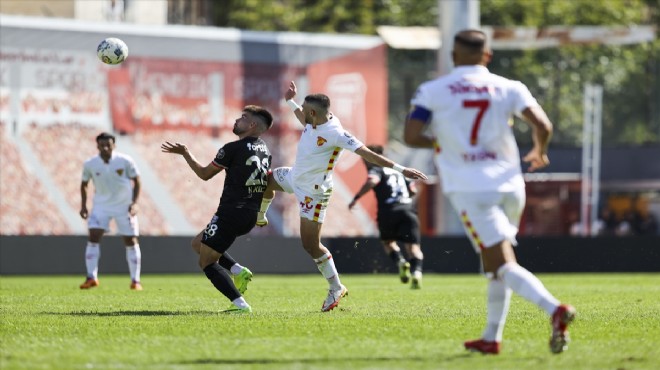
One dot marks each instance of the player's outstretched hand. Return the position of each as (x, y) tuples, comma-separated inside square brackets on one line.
[(412, 173), (175, 148), (291, 92), (536, 160)]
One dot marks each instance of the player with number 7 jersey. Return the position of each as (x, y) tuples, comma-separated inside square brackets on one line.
[(470, 112)]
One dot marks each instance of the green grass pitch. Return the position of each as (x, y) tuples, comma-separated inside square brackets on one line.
[(48, 323)]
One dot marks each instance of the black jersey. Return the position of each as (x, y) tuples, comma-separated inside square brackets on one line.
[(247, 162), (392, 189)]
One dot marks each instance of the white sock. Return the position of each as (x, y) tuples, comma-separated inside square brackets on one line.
[(240, 302), (236, 269), (92, 256), (327, 268), (527, 286), (499, 297), (134, 259)]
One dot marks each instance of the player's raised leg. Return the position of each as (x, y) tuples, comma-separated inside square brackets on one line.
[(501, 259)]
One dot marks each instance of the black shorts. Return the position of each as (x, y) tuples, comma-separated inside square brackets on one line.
[(399, 224), (226, 225)]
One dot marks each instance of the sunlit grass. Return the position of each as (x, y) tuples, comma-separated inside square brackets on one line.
[(48, 323)]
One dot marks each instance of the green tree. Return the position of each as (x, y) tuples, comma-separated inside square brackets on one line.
[(630, 74)]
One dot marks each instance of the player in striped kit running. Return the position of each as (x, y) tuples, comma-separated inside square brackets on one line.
[(322, 142), (469, 112)]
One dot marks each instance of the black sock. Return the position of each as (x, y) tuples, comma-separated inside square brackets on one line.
[(226, 261), (221, 281), (396, 256), (415, 265)]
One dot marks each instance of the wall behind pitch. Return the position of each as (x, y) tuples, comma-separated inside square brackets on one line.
[(65, 255)]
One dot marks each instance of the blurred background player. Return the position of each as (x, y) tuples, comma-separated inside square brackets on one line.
[(114, 198), (469, 112), (247, 162), (396, 217), (310, 179)]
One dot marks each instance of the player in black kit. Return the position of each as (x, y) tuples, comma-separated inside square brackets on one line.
[(247, 162), (397, 219)]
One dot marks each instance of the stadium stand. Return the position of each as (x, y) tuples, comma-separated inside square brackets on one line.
[(197, 199), (62, 149), (25, 207)]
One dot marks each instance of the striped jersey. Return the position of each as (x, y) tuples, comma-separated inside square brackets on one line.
[(471, 117), (317, 154)]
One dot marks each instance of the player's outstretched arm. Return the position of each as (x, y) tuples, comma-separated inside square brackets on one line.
[(383, 161), (541, 133), (202, 172), (289, 94), (368, 185)]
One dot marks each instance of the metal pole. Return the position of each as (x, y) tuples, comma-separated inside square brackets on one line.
[(587, 129), (455, 15), (596, 153)]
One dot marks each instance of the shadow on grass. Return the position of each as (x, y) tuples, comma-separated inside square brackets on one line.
[(134, 313), (346, 360)]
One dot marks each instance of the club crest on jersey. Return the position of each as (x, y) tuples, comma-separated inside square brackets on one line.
[(320, 141), (120, 171)]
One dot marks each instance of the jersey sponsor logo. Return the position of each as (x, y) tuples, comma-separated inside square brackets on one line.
[(120, 172), (351, 142), (347, 135), (320, 141), (479, 156), (258, 147)]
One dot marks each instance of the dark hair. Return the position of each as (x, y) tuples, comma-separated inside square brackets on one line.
[(378, 149), (261, 113), (106, 136), (320, 100), (472, 40)]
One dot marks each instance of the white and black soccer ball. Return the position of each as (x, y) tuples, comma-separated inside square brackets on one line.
[(112, 51)]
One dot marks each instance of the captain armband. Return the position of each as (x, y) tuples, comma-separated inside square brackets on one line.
[(420, 114)]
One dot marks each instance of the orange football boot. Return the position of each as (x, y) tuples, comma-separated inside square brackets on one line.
[(89, 283)]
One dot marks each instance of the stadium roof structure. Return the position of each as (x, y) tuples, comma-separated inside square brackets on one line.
[(510, 38)]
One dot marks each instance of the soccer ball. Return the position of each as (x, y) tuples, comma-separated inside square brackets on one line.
[(112, 51)]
